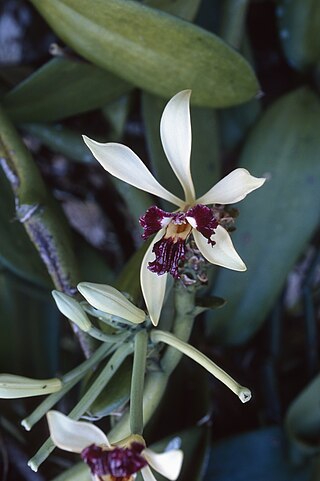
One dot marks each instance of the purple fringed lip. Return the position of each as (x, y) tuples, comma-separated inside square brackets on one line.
[(205, 220), (120, 463), (153, 220), (170, 250)]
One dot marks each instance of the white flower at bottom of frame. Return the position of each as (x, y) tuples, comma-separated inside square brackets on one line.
[(111, 463), (167, 248)]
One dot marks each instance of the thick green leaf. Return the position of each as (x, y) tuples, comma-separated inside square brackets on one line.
[(17, 253), (151, 49), (186, 9), (62, 87), (303, 423), (299, 26), (205, 146), (277, 221), (255, 456)]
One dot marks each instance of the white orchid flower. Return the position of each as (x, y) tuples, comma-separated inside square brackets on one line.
[(193, 217), (111, 463)]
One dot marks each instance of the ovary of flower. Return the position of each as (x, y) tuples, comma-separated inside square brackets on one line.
[(166, 250), (111, 463)]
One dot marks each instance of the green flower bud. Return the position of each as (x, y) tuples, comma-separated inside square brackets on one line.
[(72, 309)]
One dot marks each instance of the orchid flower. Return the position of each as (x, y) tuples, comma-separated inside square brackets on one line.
[(111, 463), (192, 217)]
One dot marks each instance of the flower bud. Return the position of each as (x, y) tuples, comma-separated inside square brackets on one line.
[(108, 299), (72, 309), (14, 387)]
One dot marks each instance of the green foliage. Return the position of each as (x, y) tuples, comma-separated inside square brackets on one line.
[(284, 145), (302, 424), (258, 455), (117, 34), (61, 88), (299, 24)]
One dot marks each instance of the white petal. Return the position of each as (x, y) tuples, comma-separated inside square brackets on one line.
[(147, 474), (73, 435), (153, 286), (168, 463), (175, 132), (232, 188), (222, 253), (123, 163), (108, 299)]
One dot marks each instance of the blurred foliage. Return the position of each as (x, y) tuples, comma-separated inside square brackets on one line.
[(116, 62)]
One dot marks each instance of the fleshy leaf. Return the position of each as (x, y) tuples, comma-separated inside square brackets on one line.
[(62, 88), (277, 221), (151, 49), (257, 455), (302, 424), (186, 9), (299, 31)]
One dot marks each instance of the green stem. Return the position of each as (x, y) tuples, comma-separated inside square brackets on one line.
[(41, 217), (107, 338), (183, 324), (233, 21), (137, 382), (156, 381), (92, 393), (69, 380), (242, 392)]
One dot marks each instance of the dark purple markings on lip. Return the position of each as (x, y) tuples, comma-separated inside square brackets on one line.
[(205, 220), (119, 463), (151, 220), (168, 255)]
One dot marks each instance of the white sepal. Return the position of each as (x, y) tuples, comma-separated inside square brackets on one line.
[(232, 188), (74, 436), (72, 309), (153, 286), (168, 463), (175, 132), (14, 387), (123, 163), (222, 253), (110, 300)]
